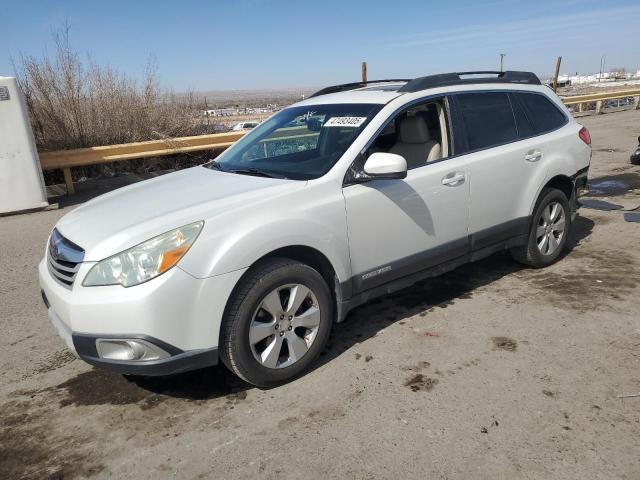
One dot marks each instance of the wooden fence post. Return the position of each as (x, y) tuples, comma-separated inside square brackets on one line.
[(68, 181), (364, 72), (599, 107), (555, 77)]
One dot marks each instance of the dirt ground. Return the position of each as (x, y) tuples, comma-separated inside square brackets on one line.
[(492, 371)]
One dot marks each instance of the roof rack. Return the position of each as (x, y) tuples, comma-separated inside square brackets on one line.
[(354, 85), (442, 80), (447, 79)]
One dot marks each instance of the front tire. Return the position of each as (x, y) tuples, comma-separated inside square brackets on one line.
[(277, 322), (550, 226)]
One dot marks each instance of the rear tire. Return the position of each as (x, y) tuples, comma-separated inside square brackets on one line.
[(550, 227), (277, 322)]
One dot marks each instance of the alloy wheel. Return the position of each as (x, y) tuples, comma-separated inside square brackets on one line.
[(284, 326), (551, 228)]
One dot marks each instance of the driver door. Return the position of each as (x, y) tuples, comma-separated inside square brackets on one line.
[(401, 227)]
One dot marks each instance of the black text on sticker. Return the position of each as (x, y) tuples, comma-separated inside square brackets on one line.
[(345, 122)]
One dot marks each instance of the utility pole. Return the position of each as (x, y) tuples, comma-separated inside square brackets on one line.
[(555, 77), (364, 72), (502, 55), (603, 58)]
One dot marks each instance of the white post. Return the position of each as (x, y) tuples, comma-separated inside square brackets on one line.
[(21, 182), (598, 107)]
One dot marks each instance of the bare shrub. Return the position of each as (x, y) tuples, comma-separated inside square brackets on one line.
[(74, 103)]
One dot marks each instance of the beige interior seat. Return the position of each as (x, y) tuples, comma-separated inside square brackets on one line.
[(415, 144)]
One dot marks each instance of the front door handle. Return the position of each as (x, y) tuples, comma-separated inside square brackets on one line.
[(453, 179), (533, 156)]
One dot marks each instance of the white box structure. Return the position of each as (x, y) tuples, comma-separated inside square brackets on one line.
[(21, 182)]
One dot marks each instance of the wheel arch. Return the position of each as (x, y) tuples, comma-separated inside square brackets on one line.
[(560, 182), (309, 256)]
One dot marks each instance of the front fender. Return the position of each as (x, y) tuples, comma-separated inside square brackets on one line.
[(236, 240)]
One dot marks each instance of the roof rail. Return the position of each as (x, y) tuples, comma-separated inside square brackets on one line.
[(354, 85), (447, 79)]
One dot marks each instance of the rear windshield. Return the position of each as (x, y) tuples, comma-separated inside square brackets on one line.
[(299, 143)]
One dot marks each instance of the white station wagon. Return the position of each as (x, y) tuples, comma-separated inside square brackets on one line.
[(358, 191)]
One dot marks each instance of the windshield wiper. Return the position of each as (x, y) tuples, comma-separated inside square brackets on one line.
[(242, 171), (253, 171), (215, 165)]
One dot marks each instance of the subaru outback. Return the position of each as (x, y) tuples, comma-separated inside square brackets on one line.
[(358, 191)]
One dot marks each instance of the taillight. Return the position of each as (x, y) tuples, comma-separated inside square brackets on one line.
[(584, 135)]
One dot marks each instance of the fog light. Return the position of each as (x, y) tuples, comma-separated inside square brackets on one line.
[(126, 349)]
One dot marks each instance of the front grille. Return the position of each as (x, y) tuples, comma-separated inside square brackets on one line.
[(64, 258)]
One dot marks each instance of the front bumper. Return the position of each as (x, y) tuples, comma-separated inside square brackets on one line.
[(177, 312), (178, 361)]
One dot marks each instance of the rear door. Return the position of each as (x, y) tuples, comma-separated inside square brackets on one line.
[(504, 164)]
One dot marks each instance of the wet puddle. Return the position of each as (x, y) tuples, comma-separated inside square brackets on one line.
[(608, 150), (599, 205), (613, 185)]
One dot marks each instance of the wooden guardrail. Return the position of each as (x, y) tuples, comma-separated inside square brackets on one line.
[(67, 159), (600, 98), (594, 97)]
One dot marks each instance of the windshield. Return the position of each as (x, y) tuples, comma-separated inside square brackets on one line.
[(300, 143)]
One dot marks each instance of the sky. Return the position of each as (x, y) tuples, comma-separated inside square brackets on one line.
[(271, 44)]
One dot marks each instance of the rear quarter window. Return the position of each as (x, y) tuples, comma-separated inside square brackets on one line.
[(543, 113)]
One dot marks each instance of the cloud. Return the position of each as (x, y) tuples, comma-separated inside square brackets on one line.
[(522, 30)]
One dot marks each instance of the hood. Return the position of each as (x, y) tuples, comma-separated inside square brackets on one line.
[(128, 216)]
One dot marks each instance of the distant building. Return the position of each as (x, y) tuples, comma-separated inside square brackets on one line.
[(220, 112), (563, 81)]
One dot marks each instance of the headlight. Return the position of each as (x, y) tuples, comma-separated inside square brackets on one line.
[(144, 261)]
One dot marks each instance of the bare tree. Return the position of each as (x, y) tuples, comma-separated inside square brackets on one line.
[(74, 103)]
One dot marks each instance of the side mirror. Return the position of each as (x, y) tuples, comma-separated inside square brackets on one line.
[(385, 165)]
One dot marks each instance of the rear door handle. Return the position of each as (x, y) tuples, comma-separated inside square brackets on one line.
[(533, 156), (453, 179)]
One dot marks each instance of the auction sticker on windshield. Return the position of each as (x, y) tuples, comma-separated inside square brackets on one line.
[(345, 122)]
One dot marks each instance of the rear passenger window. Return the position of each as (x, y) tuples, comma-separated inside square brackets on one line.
[(542, 112), (488, 119)]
